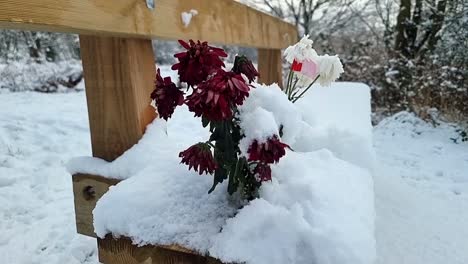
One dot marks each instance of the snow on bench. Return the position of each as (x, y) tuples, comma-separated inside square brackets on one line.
[(318, 209)]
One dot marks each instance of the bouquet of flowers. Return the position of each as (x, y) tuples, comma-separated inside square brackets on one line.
[(215, 94), (307, 67)]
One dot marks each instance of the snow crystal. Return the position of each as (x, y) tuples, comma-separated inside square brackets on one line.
[(187, 17)]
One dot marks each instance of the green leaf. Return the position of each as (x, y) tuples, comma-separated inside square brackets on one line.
[(216, 134), (232, 185), (219, 176), (205, 121)]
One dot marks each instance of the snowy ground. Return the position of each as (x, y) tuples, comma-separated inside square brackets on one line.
[(421, 189), (421, 185), (39, 133)]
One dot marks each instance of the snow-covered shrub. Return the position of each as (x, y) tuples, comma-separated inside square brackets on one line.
[(463, 136), (26, 46), (41, 77)]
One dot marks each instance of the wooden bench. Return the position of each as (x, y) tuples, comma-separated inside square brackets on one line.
[(119, 69)]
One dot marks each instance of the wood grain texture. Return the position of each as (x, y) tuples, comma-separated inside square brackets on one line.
[(122, 251), (88, 189), (220, 21), (270, 66), (119, 78)]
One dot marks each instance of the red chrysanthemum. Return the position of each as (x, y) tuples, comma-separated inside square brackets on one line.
[(198, 62), (200, 158), (242, 65), (211, 104), (167, 96), (262, 172), (231, 84), (268, 152), (214, 98)]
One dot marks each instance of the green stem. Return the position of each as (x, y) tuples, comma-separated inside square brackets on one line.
[(288, 85), (291, 96), (305, 90)]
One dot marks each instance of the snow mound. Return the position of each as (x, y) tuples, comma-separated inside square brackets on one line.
[(299, 218), (338, 118), (317, 209), (164, 204), (272, 99)]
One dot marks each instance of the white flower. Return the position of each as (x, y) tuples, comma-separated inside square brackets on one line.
[(301, 51), (330, 69)]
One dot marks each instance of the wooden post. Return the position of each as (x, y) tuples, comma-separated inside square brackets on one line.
[(119, 76), (270, 66)]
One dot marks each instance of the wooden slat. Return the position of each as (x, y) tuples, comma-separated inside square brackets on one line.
[(122, 251), (119, 76), (270, 66), (88, 189), (218, 21)]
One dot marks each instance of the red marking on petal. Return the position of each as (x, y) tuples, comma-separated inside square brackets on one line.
[(296, 66)]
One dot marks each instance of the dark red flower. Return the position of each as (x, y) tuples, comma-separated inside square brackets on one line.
[(167, 96), (215, 97), (245, 66), (200, 158), (236, 88), (211, 104), (268, 152), (231, 84), (262, 172), (198, 62)]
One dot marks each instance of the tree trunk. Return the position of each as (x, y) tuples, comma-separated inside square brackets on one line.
[(403, 20), (437, 19)]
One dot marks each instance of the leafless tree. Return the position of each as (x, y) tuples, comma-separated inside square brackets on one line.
[(417, 26), (314, 17)]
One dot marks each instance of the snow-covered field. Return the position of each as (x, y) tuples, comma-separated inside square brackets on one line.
[(421, 185), (421, 189)]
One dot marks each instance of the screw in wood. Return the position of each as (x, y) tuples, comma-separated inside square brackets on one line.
[(89, 193)]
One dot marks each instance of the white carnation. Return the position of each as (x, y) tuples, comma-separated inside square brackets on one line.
[(330, 69), (301, 51)]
